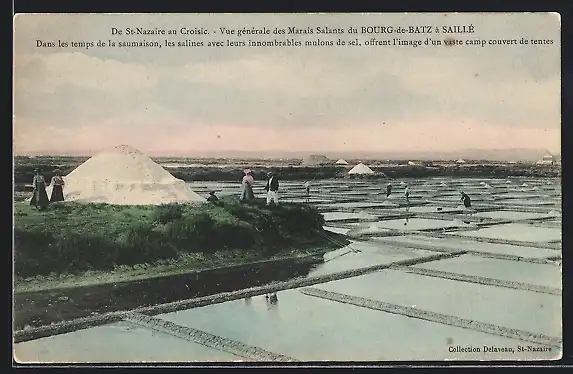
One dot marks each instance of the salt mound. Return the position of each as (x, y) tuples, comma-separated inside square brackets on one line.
[(361, 169), (125, 176)]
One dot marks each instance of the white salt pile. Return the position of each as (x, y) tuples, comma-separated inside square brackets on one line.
[(125, 176)]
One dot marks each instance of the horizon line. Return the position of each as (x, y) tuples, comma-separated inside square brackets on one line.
[(350, 153)]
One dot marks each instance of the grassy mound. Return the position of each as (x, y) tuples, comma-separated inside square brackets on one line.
[(71, 237)]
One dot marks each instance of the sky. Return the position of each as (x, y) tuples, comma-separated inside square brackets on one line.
[(187, 100)]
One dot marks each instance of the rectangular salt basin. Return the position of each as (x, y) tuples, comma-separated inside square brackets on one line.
[(524, 310), (304, 200), (514, 271), (337, 216), (352, 192), (516, 232), (461, 244), (312, 329), (517, 198), (431, 209), (511, 215), (409, 224), (116, 343), (527, 202), (343, 259), (360, 205)]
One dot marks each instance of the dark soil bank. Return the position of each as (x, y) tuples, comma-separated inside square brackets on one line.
[(24, 171), (42, 308)]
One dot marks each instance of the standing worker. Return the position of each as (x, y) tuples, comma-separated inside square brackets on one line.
[(40, 196), (307, 189), (407, 195), (388, 190), (272, 188), (467, 201)]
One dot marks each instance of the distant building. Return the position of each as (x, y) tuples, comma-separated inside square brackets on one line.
[(548, 159)]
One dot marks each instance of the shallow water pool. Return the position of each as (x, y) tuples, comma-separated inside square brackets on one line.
[(516, 232)]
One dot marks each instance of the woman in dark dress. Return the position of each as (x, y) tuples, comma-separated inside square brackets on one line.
[(39, 197), (57, 187), (467, 201)]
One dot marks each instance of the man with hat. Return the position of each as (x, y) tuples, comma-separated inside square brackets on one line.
[(272, 188)]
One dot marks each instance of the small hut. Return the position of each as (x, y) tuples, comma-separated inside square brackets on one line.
[(548, 159)]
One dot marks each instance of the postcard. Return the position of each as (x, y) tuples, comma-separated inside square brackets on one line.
[(287, 188)]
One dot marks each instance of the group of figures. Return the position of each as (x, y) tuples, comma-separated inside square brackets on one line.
[(40, 196), (464, 197), (271, 187)]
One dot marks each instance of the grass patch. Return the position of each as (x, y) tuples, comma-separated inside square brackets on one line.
[(73, 238)]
